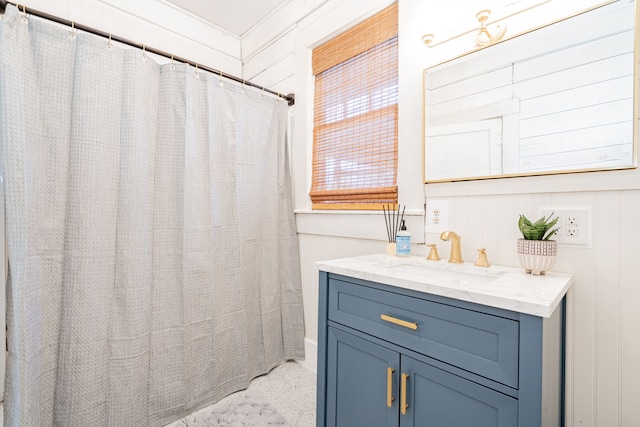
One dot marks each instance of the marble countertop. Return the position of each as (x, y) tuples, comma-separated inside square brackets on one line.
[(496, 286)]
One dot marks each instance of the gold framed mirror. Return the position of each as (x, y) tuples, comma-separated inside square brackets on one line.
[(562, 98)]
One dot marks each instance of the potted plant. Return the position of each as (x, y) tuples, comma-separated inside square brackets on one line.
[(536, 251)]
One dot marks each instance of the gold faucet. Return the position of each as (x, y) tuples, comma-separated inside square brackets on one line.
[(456, 254)]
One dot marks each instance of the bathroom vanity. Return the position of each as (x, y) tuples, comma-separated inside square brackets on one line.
[(411, 342)]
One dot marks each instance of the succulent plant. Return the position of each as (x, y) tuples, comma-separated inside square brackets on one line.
[(539, 230)]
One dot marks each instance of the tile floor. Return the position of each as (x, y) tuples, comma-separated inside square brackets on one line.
[(290, 388)]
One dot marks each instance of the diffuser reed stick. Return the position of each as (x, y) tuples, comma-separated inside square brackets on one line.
[(393, 220), (393, 230), (386, 223)]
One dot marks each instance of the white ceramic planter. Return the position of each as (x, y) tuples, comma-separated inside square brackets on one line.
[(537, 256)]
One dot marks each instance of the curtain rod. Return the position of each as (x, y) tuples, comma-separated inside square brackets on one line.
[(3, 4)]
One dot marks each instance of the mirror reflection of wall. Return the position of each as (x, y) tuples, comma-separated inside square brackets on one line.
[(560, 98)]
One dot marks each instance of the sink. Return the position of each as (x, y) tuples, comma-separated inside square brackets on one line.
[(461, 274), (505, 287)]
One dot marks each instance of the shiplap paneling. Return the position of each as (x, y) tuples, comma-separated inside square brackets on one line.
[(607, 308), (629, 301), (271, 60), (154, 23), (274, 75), (614, 89), (280, 22), (588, 51)]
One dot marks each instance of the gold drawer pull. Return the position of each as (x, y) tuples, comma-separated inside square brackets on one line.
[(390, 398), (403, 395), (410, 325)]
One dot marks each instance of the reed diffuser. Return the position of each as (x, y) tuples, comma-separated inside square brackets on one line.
[(393, 219)]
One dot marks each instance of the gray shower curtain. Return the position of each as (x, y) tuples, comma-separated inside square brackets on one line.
[(153, 259)]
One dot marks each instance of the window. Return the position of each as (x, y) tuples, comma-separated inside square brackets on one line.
[(355, 132)]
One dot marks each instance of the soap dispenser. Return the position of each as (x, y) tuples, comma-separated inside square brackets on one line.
[(403, 241)]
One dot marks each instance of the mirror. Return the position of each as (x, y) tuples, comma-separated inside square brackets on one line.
[(557, 99)]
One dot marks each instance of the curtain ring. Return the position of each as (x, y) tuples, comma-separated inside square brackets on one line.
[(242, 87), (196, 74), (144, 52), (173, 67), (220, 78), (24, 13), (109, 44)]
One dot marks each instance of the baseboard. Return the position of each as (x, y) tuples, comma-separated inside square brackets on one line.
[(310, 360)]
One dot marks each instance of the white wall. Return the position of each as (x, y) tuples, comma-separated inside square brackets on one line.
[(603, 380), (155, 23)]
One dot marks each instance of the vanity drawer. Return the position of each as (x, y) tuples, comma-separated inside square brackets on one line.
[(478, 342)]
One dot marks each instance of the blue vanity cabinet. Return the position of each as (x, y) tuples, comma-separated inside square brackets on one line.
[(389, 356), (438, 398), (362, 373)]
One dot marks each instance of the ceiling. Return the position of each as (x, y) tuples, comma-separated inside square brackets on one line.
[(234, 16), (239, 16)]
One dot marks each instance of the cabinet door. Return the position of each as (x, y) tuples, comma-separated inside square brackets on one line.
[(358, 382), (437, 398)]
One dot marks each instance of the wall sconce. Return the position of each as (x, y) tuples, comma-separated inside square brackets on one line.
[(484, 37), (427, 39)]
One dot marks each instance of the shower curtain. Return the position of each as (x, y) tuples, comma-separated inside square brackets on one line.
[(153, 258)]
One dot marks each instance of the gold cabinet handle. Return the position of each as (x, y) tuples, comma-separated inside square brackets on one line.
[(403, 395), (390, 398), (391, 319)]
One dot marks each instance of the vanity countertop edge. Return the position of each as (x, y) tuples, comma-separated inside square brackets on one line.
[(498, 286)]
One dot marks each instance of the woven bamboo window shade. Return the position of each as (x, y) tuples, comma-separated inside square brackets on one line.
[(355, 132)]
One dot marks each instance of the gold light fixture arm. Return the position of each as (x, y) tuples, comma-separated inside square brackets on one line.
[(484, 37)]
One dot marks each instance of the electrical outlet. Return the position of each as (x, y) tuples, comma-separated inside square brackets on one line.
[(571, 230), (574, 224), (437, 215)]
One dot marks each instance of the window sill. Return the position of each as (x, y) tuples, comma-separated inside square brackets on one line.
[(356, 224)]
